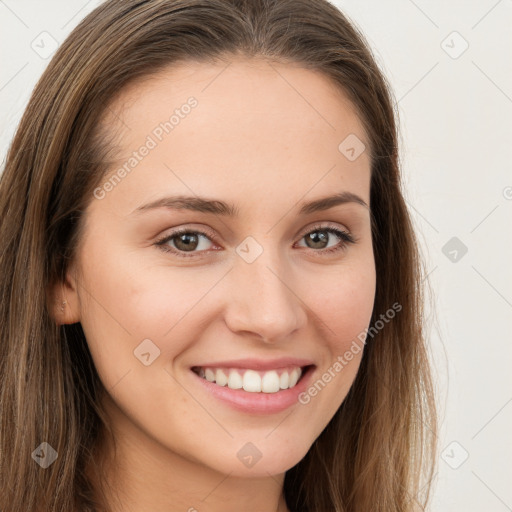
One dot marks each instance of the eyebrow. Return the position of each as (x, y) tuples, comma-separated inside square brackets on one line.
[(217, 207)]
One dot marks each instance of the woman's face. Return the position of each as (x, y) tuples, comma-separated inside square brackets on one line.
[(258, 282)]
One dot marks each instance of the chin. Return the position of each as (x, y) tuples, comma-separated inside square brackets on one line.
[(269, 460)]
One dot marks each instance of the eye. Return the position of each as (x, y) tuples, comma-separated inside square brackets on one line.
[(188, 243), (319, 237), (184, 241)]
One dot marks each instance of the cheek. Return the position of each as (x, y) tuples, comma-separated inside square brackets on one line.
[(344, 302), (125, 303), (348, 311)]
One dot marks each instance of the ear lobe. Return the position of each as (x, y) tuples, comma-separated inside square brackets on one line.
[(62, 300)]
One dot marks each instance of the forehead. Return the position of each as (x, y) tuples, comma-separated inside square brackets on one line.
[(254, 123), (238, 86)]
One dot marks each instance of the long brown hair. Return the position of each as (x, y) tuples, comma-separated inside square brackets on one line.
[(378, 451)]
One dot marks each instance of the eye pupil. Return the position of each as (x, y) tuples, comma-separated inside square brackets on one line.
[(320, 237)]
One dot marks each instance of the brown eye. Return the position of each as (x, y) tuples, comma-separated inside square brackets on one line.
[(320, 236), (185, 241), (190, 243), (318, 239)]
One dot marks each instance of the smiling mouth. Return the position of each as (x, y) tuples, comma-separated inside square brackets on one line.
[(252, 381)]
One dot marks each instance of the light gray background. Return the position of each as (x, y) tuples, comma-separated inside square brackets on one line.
[(455, 111)]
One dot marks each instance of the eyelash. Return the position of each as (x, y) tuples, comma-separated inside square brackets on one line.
[(346, 238)]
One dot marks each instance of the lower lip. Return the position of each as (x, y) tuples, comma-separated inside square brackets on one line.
[(258, 403)]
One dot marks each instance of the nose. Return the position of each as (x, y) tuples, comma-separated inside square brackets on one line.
[(262, 300)]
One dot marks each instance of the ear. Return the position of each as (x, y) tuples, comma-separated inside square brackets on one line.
[(63, 301)]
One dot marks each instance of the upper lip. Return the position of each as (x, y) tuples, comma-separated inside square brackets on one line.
[(258, 364)]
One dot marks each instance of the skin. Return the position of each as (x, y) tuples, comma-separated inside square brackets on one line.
[(264, 137)]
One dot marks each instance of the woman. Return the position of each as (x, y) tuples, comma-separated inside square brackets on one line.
[(211, 288)]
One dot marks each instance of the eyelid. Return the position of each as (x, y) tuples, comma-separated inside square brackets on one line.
[(318, 226)]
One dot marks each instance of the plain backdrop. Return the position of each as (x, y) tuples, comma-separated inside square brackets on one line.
[(449, 64)]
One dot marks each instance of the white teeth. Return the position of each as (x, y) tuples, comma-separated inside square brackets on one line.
[(294, 377), (235, 380), (221, 378), (270, 382), (251, 380)]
